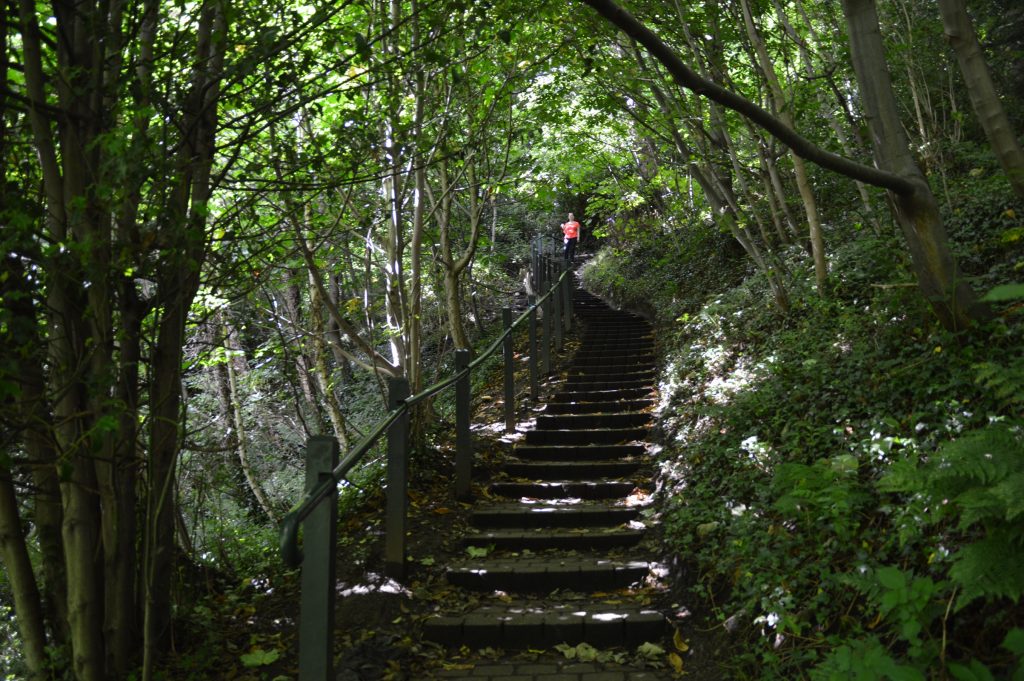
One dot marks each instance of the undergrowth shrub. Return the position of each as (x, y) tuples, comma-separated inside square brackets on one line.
[(664, 278), (845, 480)]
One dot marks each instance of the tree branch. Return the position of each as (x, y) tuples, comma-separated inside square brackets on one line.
[(687, 78)]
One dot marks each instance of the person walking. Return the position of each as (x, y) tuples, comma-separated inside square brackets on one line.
[(571, 232)]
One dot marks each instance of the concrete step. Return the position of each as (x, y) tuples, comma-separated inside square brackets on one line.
[(533, 624), (561, 489), (631, 363), (592, 436), (603, 368), (598, 336), (605, 395), (630, 355), (631, 379), (586, 421), (637, 378), (570, 470), (521, 515), (592, 384), (566, 539), (542, 575), (579, 452), (598, 407)]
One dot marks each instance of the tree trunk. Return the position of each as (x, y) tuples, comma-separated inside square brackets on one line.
[(178, 276), (783, 110), (725, 213), (825, 109), (960, 34), (117, 477), (917, 211), (241, 434), (323, 378), (15, 559)]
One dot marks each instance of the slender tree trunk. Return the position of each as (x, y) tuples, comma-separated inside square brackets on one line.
[(414, 321), (725, 214), (323, 378), (178, 276), (783, 110), (917, 211), (825, 108), (117, 479), (769, 195), (984, 98), (772, 168), (15, 559), (241, 434), (450, 274)]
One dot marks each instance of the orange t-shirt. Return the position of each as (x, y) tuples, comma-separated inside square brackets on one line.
[(571, 229)]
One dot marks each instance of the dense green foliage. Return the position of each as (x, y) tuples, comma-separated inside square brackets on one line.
[(224, 226), (844, 482)]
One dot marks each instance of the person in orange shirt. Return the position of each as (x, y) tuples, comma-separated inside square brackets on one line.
[(571, 230)]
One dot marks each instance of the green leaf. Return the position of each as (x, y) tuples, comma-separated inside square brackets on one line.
[(259, 657), (1014, 641), (1004, 292), (891, 577), (650, 650), (905, 673), (976, 671)]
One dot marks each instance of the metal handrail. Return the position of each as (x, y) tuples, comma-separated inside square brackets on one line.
[(290, 552)]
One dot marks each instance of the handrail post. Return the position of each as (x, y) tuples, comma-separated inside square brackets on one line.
[(398, 482), (556, 294), (463, 443), (537, 257), (567, 301), (534, 391), (510, 367), (542, 275), (320, 529), (545, 353)]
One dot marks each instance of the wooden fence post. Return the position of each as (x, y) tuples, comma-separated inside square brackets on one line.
[(567, 286), (463, 443), (534, 390), (510, 367), (556, 294), (398, 482), (319, 536), (545, 353)]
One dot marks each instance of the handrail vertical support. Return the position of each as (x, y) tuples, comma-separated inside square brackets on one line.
[(542, 273), (534, 390), (510, 367), (398, 482), (463, 443), (567, 286), (316, 610), (556, 294), (545, 353)]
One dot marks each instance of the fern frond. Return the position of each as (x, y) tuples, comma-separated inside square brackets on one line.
[(986, 456), (1005, 382), (1011, 492), (992, 568), (979, 504)]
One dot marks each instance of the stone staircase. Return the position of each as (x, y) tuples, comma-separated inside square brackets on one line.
[(563, 521)]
